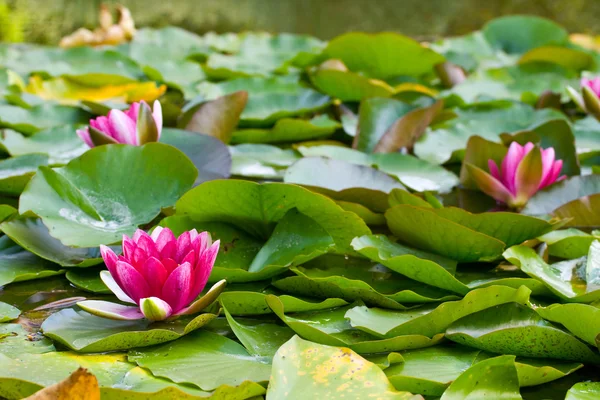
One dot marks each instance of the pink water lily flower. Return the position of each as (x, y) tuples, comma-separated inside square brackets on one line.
[(137, 125), (589, 98), (524, 171), (161, 274)]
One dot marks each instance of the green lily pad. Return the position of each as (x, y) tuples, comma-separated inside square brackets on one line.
[(383, 55), (289, 130), (84, 332), (358, 279), (520, 33), (88, 280), (487, 120), (105, 212), (33, 235), (495, 377), (261, 161), (295, 240), (477, 276), (16, 172), (254, 303), (270, 98), (339, 175), (303, 369), (415, 264), (17, 264), (580, 319), (8, 313), (549, 199), (376, 116), (430, 320), (331, 327), (60, 143), (534, 372), (573, 59), (37, 118), (256, 208), (15, 341), (516, 329), (581, 212), (460, 235), (261, 339), (210, 156), (431, 370), (417, 174), (584, 391), (139, 384), (568, 243), (349, 86), (226, 361), (562, 279)]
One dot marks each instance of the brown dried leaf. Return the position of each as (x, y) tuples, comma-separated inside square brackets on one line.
[(80, 385)]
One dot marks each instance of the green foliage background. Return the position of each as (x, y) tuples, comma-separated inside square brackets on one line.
[(46, 21)]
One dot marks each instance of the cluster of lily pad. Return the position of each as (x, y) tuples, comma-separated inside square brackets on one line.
[(369, 216)]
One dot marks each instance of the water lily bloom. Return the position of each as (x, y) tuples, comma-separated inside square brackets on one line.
[(524, 171), (161, 274), (137, 125), (589, 98)]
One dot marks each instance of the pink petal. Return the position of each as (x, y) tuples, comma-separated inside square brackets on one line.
[(157, 230), (129, 246), (509, 165), (138, 258), (111, 310), (176, 290), (133, 112), (553, 175), (163, 238), (147, 244), (84, 134), (138, 234), (122, 127), (169, 264), (547, 163), (183, 246), (203, 269), (110, 282), (110, 258), (493, 167), (527, 148), (132, 282), (155, 274), (528, 176), (157, 115)]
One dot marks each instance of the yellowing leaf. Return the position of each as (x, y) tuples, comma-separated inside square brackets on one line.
[(67, 91)]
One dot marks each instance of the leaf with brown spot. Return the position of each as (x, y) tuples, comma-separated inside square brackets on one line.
[(218, 117), (406, 130), (80, 385)]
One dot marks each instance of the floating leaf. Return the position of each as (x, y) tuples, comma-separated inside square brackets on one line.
[(302, 368), (8, 313), (288, 130), (516, 329), (155, 172), (88, 333), (225, 361), (34, 119), (258, 206)]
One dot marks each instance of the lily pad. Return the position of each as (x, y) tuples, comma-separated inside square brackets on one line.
[(584, 391), (270, 98), (87, 207), (257, 207), (88, 333), (340, 371), (61, 144), (549, 199), (261, 161), (37, 118), (516, 329), (16, 172), (289, 130), (88, 280), (210, 156), (17, 264), (430, 320), (226, 361), (8, 313), (33, 235), (254, 303)]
